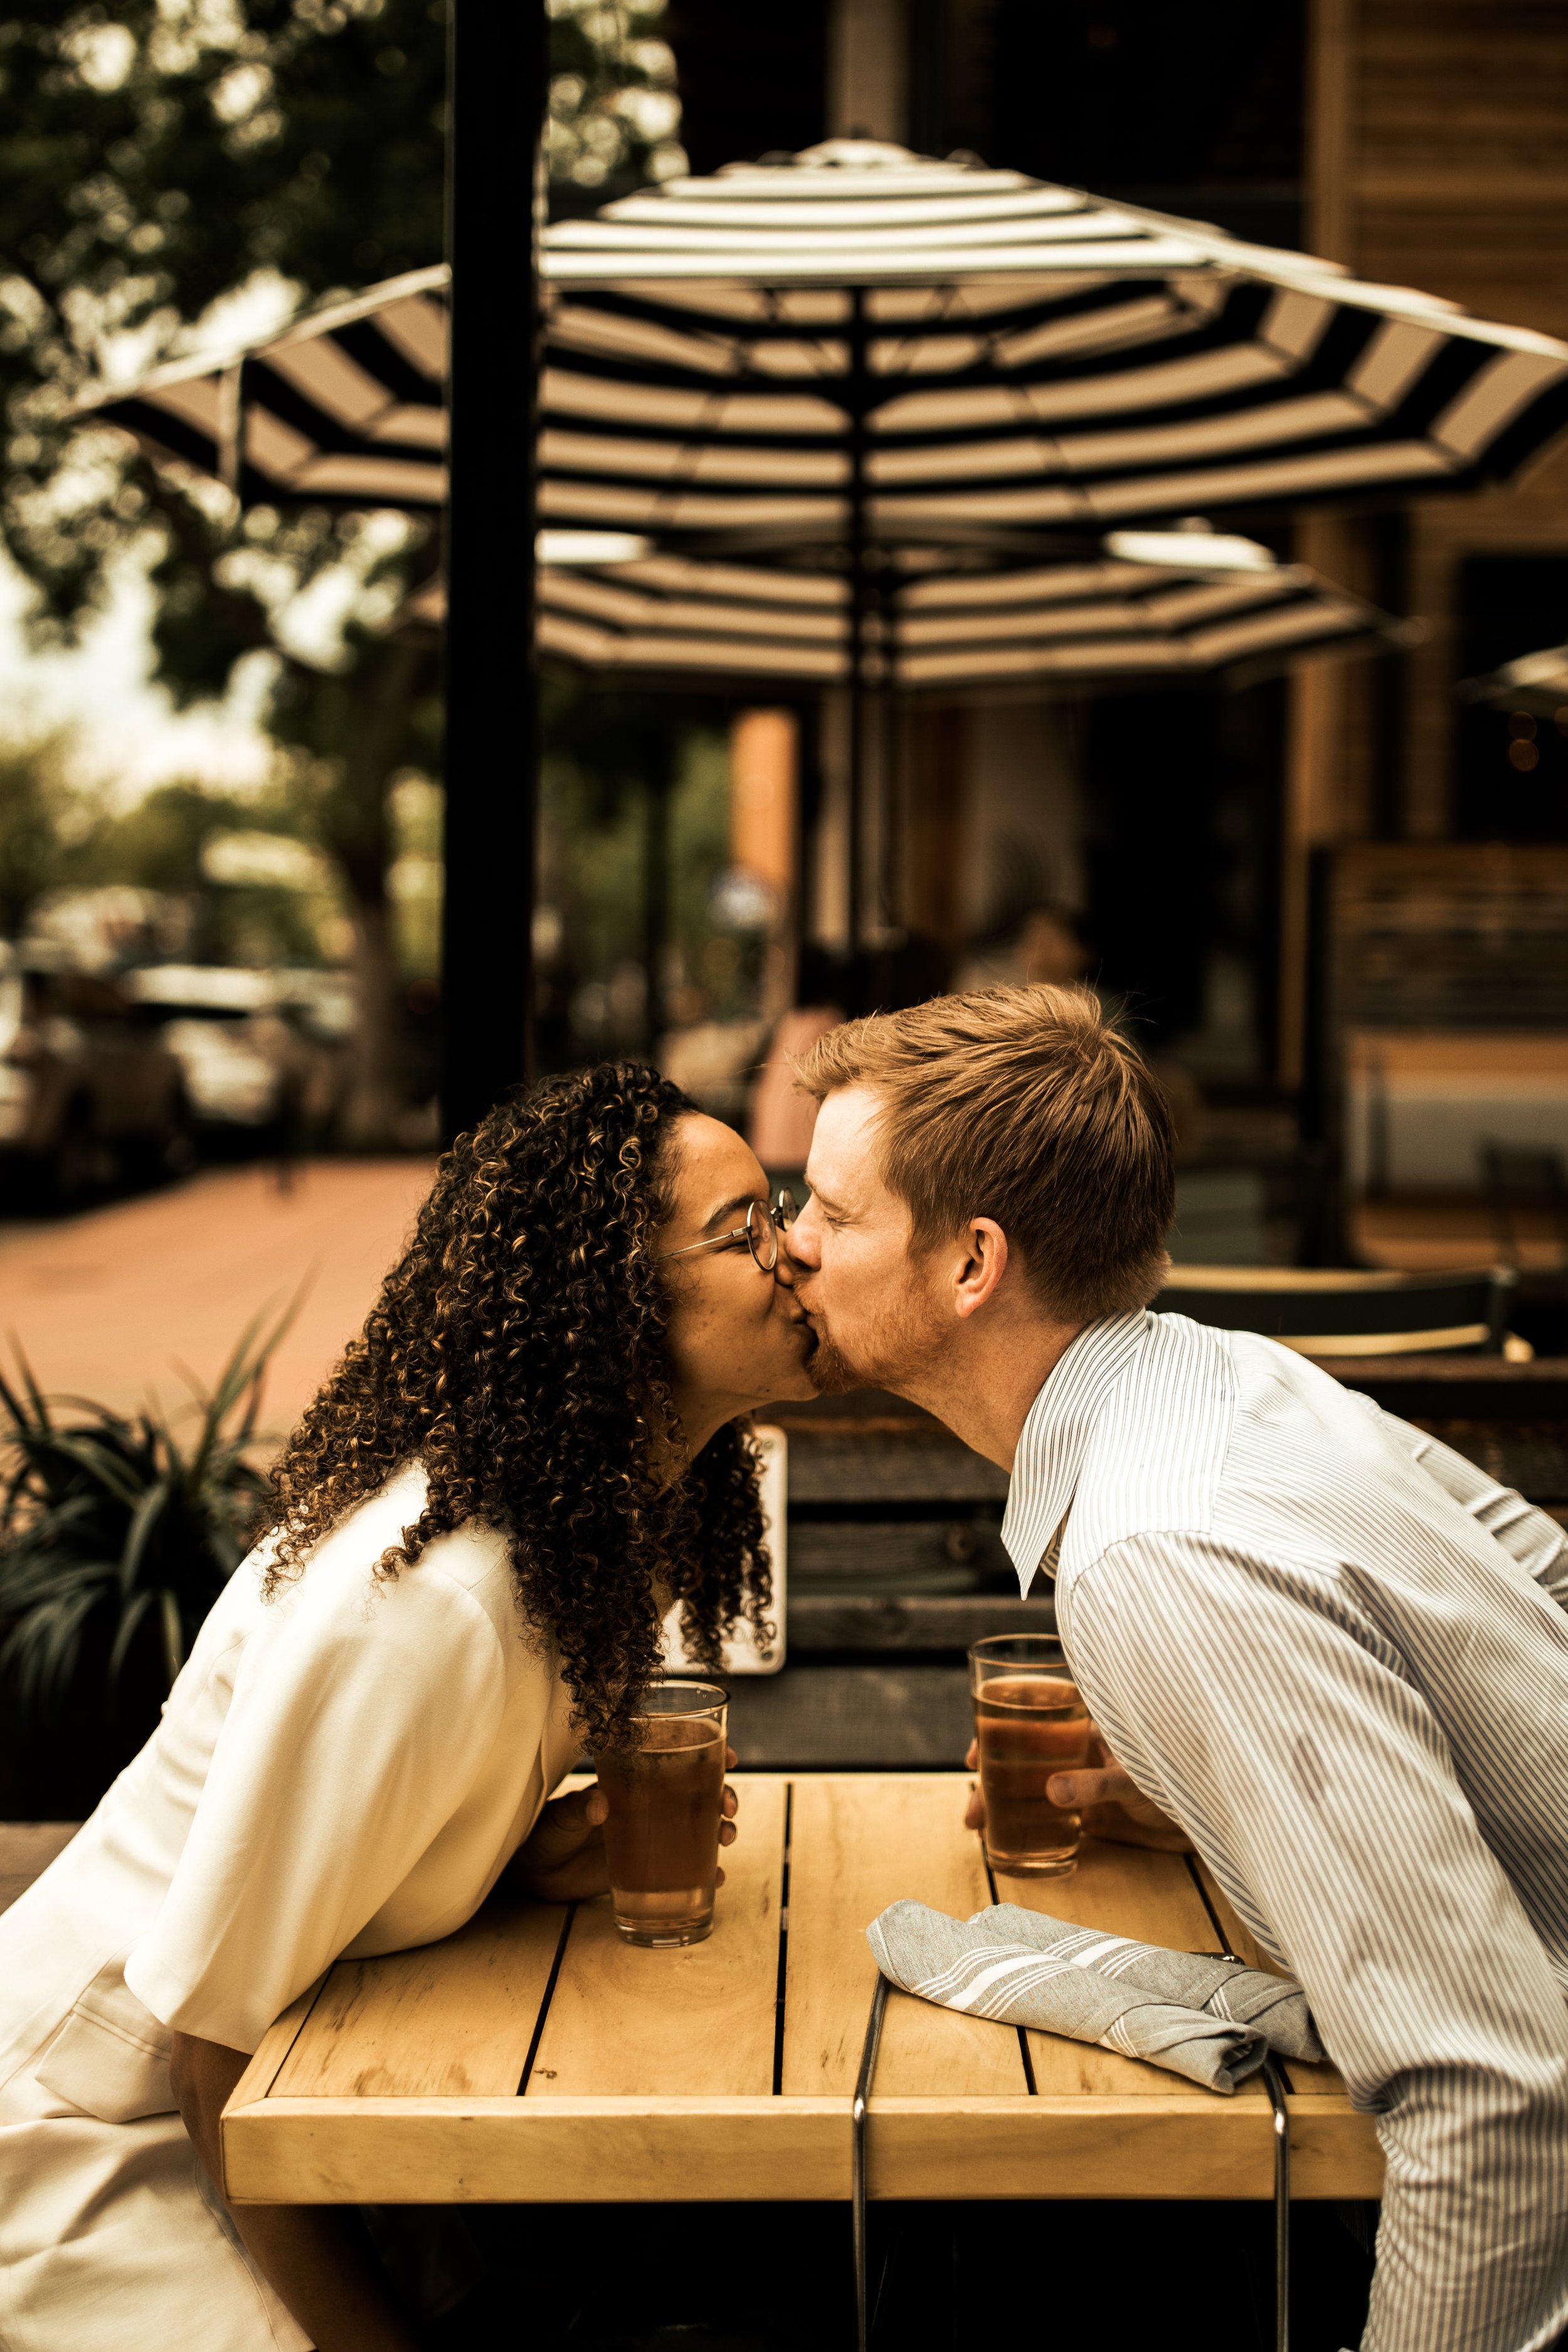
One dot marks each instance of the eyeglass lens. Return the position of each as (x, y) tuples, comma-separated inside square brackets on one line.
[(763, 1235)]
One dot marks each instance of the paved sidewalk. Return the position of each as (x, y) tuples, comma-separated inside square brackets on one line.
[(108, 1305)]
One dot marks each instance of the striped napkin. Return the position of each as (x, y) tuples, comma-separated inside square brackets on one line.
[(1275, 2007), (1212, 2020)]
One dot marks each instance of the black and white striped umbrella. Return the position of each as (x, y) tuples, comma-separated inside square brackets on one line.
[(863, 345), (345, 407), (937, 629), (1537, 683), (863, 342)]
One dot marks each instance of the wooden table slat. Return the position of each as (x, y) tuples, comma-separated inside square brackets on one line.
[(449, 2020), (860, 1841), (27, 1850), (703, 2020), (396, 2079), (1314, 2081), (536, 2151), (1128, 1892)]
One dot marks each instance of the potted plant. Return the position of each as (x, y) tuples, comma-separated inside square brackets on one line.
[(117, 1533)]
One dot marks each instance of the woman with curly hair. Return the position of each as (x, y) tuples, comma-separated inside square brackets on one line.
[(533, 1452)]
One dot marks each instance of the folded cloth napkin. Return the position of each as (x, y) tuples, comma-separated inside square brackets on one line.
[(1275, 2007), (974, 1965)]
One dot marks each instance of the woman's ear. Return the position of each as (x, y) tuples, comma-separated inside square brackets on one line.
[(984, 1264)]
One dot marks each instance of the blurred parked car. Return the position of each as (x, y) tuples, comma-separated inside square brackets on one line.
[(261, 1051), (87, 1095)]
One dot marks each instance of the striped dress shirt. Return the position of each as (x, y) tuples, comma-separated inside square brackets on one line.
[(1338, 1655)]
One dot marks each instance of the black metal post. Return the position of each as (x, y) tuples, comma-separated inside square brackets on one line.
[(497, 85), (860, 583), (658, 789)]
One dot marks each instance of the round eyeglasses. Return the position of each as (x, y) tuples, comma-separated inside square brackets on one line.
[(764, 1222)]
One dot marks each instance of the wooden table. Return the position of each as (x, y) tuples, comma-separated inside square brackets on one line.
[(535, 2058)]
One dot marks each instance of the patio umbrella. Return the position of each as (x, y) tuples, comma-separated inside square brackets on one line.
[(860, 343), (865, 348), (1535, 682), (345, 407), (661, 618), (1079, 625)]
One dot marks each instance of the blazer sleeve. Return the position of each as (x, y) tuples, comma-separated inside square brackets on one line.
[(360, 1716)]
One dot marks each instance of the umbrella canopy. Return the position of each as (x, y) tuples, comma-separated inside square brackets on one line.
[(1074, 624), (862, 343), (1535, 682), (345, 407)]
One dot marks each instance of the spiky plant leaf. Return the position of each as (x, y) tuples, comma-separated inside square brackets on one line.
[(122, 1526)]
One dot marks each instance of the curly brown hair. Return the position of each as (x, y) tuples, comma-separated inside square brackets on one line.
[(517, 1349)]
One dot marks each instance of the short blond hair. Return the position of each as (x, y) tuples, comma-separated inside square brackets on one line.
[(1024, 1105)]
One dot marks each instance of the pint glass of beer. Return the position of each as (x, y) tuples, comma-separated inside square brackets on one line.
[(1030, 1722), (666, 1793)]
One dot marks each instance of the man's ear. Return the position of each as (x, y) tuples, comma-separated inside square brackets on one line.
[(983, 1264)]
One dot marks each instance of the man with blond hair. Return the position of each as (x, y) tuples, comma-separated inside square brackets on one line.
[(1328, 1648)]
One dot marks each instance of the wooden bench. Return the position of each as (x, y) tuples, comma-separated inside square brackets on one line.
[(27, 1850), (534, 2058)]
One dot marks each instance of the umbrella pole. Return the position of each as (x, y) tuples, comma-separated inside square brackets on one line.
[(856, 889), (496, 90)]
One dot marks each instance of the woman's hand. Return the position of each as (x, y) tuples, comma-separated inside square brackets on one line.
[(563, 1859), (1107, 1799)]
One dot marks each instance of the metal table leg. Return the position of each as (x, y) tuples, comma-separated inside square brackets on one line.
[(857, 2174), (1274, 2085), (1273, 2082)]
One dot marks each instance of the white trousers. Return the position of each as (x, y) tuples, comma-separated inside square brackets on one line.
[(113, 2239)]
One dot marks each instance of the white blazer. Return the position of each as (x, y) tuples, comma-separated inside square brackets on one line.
[(342, 1771)]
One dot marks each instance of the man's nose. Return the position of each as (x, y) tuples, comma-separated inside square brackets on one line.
[(800, 1243)]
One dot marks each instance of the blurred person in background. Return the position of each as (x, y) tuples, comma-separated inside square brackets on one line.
[(1046, 946), (372, 1720), (780, 1119), (832, 988)]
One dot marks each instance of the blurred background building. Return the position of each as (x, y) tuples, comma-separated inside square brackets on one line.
[(1278, 880), (1331, 901)]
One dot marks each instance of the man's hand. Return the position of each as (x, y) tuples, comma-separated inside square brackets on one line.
[(563, 1859), (1105, 1799)]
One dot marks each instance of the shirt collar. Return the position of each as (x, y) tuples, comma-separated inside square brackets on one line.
[(1054, 1440)]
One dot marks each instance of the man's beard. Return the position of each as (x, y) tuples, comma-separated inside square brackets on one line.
[(828, 1368), (901, 1344)]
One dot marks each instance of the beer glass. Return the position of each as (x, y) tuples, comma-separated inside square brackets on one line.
[(666, 1795), (1030, 1722)]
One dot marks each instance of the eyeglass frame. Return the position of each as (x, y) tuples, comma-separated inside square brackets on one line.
[(778, 1215)]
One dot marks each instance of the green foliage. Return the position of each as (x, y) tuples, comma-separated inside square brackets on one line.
[(171, 164), (54, 837), (166, 155), (40, 830), (614, 113), (110, 1520), (161, 844), (612, 761)]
